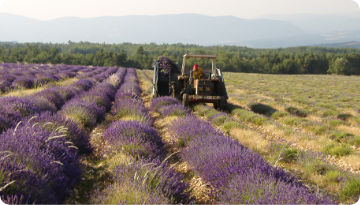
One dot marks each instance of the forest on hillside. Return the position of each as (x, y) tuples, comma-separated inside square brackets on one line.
[(293, 60)]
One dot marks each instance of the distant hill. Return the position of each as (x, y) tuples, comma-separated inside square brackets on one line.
[(181, 28), (353, 44), (326, 38), (313, 23), (277, 31)]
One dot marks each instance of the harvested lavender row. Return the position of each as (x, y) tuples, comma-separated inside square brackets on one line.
[(136, 154), (42, 164), (240, 175), (30, 75)]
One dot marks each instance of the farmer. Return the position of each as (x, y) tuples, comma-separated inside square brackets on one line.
[(197, 72)]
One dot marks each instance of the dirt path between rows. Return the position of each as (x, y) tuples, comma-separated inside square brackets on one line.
[(95, 176)]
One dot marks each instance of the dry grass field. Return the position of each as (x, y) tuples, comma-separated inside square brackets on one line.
[(314, 121), (308, 125)]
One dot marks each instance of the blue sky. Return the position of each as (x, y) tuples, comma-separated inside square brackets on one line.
[(51, 9)]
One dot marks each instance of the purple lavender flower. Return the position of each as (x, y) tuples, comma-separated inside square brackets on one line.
[(136, 138), (80, 112), (75, 134), (130, 87), (162, 101), (42, 103), (53, 95), (176, 109), (40, 162), (83, 84), (132, 108), (13, 109), (4, 86), (8, 78), (23, 82)]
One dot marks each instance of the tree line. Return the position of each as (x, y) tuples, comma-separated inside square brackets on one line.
[(294, 60)]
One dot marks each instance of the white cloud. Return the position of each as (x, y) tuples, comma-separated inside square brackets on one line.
[(357, 1), (2, 1)]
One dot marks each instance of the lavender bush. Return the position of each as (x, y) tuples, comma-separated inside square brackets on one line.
[(132, 108), (81, 112), (53, 95), (130, 87), (42, 103), (23, 82), (13, 109), (40, 163), (75, 134), (136, 138), (162, 101), (240, 175), (144, 182), (4, 86), (8, 78), (176, 110)]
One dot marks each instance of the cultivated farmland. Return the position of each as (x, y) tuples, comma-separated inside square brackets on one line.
[(101, 140)]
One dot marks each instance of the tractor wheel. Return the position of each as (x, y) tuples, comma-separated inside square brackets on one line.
[(222, 104), (220, 89), (216, 105), (185, 100)]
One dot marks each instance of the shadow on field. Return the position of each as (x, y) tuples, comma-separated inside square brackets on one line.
[(258, 108), (231, 107), (262, 109)]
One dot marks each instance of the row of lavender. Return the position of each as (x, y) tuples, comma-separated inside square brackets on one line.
[(51, 99), (136, 155), (32, 75), (39, 158), (27, 76), (239, 175)]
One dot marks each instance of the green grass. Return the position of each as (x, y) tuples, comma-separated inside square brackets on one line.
[(250, 117), (344, 116), (337, 150), (289, 154), (316, 166), (293, 121), (211, 112), (181, 143), (228, 126), (278, 114), (297, 112), (355, 141), (219, 120), (350, 190), (337, 122), (333, 176)]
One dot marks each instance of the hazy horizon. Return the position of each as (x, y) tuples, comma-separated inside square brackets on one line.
[(247, 9)]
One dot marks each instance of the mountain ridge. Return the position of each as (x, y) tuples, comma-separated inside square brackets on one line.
[(184, 28), (172, 28)]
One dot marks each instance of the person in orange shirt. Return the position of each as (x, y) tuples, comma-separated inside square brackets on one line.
[(198, 72)]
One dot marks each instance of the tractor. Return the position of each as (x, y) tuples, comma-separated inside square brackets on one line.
[(169, 81)]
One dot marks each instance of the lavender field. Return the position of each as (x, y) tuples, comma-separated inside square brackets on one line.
[(101, 140)]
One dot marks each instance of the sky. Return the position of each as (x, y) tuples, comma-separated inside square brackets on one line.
[(52, 9)]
